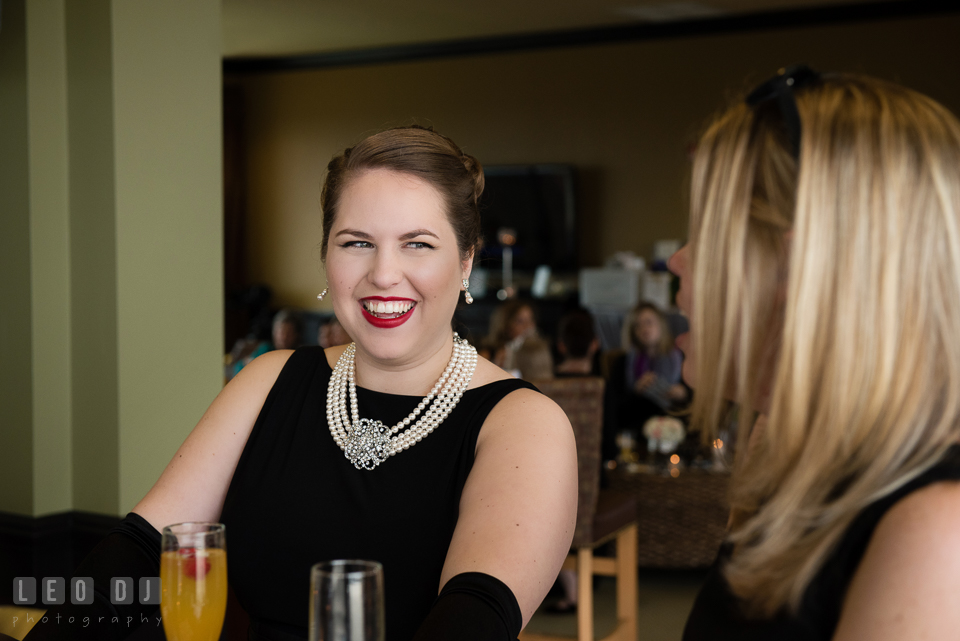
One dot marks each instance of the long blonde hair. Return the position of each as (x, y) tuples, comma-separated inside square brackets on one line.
[(835, 278)]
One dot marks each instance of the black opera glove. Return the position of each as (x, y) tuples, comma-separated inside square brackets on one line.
[(472, 606), (132, 549)]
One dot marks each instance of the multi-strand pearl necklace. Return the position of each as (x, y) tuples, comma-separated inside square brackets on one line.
[(366, 442)]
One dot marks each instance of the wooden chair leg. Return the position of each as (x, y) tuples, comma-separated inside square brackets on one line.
[(627, 581), (585, 594)]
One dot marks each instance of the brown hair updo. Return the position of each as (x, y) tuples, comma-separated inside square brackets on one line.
[(421, 152)]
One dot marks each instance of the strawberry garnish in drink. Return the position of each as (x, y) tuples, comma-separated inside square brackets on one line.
[(195, 564)]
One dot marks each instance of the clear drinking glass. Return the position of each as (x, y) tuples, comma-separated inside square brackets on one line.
[(193, 578), (346, 601)]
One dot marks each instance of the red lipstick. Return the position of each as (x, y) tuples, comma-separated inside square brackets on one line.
[(386, 323)]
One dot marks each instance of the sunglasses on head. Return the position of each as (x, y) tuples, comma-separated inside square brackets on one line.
[(779, 91)]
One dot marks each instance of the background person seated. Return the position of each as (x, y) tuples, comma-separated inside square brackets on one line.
[(651, 369), (332, 333), (287, 329), (531, 360), (514, 343), (577, 344), (510, 322), (286, 332)]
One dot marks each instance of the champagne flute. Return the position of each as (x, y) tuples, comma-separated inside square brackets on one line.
[(346, 601), (193, 578)]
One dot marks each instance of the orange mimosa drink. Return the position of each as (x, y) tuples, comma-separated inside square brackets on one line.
[(194, 593)]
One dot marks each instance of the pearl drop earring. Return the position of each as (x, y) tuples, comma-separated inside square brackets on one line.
[(322, 294), (466, 292)]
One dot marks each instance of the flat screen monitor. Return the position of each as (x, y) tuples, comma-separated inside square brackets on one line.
[(538, 203)]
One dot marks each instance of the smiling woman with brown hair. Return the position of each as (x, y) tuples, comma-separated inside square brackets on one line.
[(822, 280), (403, 447)]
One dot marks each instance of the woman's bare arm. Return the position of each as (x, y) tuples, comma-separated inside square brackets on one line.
[(194, 484), (519, 506)]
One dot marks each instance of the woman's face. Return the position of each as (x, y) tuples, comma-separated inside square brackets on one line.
[(522, 323), (393, 266), (679, 264), (647, 328)]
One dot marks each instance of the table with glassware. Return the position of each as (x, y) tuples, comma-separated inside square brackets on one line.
[(681, 512)]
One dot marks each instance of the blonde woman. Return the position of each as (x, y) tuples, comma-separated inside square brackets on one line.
[(822, 280)]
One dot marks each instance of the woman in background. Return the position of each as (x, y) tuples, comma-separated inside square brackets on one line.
[(287, 329), (652, 368), (331, 334), (822, 282), (514, 343)]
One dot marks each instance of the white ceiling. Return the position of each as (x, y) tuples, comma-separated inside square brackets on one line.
[(286, 27)]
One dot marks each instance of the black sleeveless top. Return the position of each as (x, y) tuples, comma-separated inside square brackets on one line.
[(716, 613), (295, 500)]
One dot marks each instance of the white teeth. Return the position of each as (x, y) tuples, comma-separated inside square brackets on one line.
[(388, 307)]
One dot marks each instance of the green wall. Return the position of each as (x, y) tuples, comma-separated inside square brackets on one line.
[(49, 256), (93, 248), (169, 228), (111, 255), (16, 411)]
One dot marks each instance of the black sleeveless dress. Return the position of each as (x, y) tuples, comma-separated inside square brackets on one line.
[(716, 613), (295, 500)]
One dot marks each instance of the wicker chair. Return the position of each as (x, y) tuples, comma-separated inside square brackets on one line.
[(602, 515)]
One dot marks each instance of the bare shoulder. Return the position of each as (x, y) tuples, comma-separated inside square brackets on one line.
[(263, 369), (521, 413), (907, 582), (527, 408), (252, 384), (921, 531), (194, 483), (925, 513)]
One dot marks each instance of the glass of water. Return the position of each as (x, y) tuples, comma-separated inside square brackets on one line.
[(346, 601)]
